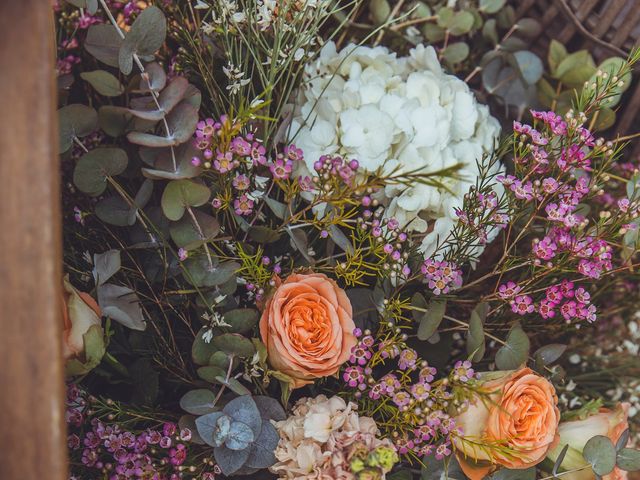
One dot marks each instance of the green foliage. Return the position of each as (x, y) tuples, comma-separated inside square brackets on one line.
[(241, 434), (514, 353), (600, 452), (74, 122), (96, 167)]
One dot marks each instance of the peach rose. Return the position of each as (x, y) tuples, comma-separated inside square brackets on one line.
[(516, 416), (576, 433), (80, 312), (307, 327)]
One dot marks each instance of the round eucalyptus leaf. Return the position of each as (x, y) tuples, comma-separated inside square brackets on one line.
[(244, 409), (240, 436), (198, 402), (515, 352), (230, 461), (154, 78), (186, 235), (180, 194), (430, 320), (114, 120), (104, 83), (461, 23), (550, 353), (530, 66), (114, 211), (456, 52), (173, 94), (200, 274), (209, 373), (93, 168), (145, 37), (103, 42), (241, 320), (201, 349), (75, 120), (219, 359), (262, 454), (182, 121), (600, 452), (491, 6), (529, 27), (628, 459), (234, 344), (212, 427)]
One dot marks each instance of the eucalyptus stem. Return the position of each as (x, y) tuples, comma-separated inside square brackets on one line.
[(144, 75)]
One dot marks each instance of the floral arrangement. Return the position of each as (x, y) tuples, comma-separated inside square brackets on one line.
[(292, 252)]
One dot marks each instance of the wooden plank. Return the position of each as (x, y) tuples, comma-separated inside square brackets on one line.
[(33, 439)]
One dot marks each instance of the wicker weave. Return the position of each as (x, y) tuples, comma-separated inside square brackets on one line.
[(605, 27)]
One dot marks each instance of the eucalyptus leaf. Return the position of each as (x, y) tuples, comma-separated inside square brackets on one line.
[(506, 474), (240, 436), (491, 6), (461, 23), (516, 351), (122, 305), (104, 83), (558, 463), (181, 194), (234, 344), (278, 208), (557, 53), (103, 42), (92, 170), (576, 68), (173, 94), (141, 199), (431, 320), (201, 274), (340, 239), (262, 454), (209, 373), (234, 385), (75, 120), (105, 265), (476, 343), (182, 121), (209, 426), (529, 27), (550, 353), (186, 235), (456, 52), (264, 234), (114, 120), (230, 461), (146, 36), (201, 350), (154, 78), (628, 459), (530, 66), (241, 319), (600, 452), (114, 211)]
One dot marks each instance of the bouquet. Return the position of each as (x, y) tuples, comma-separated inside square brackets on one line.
[(297, 251)]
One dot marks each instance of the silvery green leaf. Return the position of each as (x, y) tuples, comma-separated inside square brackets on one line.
[(262, 453), (198, 402), (207, 425), (530, 66), (230, 461), (239, 437), (600, 452), (103, 42), (244, 409), (515, 351), (628, 459), (75, 120), (145, 37), (114, 211), (340, 239), (92, 170), (105, 265), (104, 83), (122, 305), (270, 408)]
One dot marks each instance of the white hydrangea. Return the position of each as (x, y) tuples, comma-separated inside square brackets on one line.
[(396, 113)]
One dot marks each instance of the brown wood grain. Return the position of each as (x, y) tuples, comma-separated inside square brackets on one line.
[(32, 434)]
